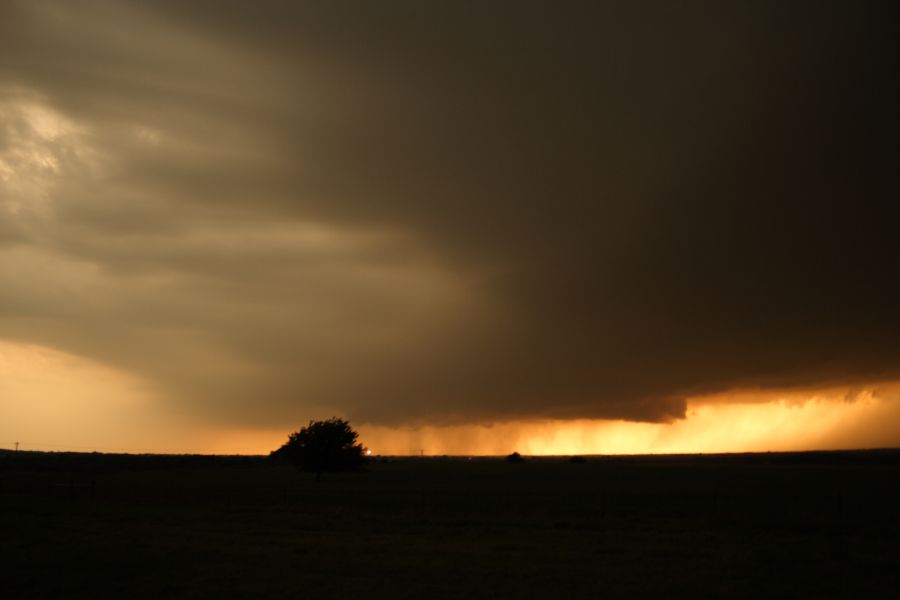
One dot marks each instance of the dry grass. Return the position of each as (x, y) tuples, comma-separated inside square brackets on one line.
[(720, 526)]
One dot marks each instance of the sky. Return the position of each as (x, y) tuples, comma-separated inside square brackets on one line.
[(468, 227)]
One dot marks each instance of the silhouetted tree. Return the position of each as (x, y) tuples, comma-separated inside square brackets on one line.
[(515, 457), (323, 446)]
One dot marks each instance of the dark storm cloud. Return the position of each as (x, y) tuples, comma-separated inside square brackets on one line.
[(460, 210)]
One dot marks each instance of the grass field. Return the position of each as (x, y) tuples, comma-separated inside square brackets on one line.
[(741, 526)]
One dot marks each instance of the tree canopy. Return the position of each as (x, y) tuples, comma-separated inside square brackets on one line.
[(329, 445)]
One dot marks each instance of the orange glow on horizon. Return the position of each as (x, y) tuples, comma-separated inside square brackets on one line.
[(831, 419), (820, 422), (50, 400)]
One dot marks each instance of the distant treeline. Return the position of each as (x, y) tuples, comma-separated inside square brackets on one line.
[(890, 456), (97, 461)]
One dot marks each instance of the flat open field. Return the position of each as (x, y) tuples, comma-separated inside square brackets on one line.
[(741, 526)]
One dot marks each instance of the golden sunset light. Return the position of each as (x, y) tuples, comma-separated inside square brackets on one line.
[(58, 401), (796, 421)]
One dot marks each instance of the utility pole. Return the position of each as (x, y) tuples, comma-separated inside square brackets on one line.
[(17, 446)]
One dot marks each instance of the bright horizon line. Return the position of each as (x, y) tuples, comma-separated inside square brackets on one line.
[(46, 392), (469, 456)]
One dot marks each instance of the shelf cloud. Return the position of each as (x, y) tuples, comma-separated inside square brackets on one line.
[(452, 213)]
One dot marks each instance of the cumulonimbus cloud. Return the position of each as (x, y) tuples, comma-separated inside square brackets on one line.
[(404, 212)]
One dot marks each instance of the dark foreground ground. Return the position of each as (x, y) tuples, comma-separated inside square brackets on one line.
[(744, 526)]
